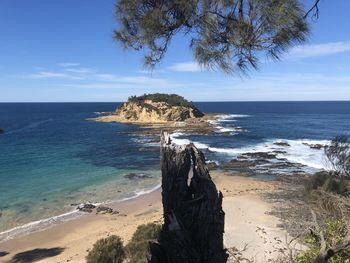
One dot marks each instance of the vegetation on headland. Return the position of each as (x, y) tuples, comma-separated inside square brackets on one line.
[(171, 99), (338, 156), (327, 234), (112, 250), (334, 232), (137, 250), (107, 250), (325, 243)]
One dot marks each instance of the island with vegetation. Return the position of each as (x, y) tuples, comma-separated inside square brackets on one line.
[(159, 111), (154, 108)]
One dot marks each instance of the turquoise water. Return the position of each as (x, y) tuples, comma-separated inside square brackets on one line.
[(52, 158)]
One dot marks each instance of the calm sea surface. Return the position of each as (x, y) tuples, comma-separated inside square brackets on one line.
[(52, 158)]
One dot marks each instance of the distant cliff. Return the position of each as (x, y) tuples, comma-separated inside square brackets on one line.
[(156, 108)]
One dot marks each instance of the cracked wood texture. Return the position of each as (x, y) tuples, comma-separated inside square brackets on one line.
[(193, 216)]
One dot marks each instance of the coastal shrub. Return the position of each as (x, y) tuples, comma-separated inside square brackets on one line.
[(334, 230), (107, 250), (326, 182), (338, 156), (137, 249)]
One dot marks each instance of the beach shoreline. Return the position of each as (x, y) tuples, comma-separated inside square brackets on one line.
[(246, 213)]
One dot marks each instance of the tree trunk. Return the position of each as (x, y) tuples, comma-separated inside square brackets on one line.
[(193, 216)]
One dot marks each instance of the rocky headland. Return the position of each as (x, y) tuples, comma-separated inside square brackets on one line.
[(160, 111), (155, 108)]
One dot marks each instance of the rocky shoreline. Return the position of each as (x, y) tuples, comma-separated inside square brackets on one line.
[(202, 125)]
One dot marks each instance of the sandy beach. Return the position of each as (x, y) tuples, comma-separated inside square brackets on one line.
[(248, 224)]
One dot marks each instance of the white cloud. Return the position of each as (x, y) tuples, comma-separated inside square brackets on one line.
[(186, 67), (90, 78), (48, 75), (66, 72), (106, 77), (79, 70), (140, 80), (317, 50), (151, 71), (55, 75), (68, 64)]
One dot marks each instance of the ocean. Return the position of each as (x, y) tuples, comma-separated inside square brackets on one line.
[(52, 158)]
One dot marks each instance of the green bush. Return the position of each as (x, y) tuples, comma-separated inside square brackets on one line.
[(171, 99), (107, 250), (138, 248), (326, 182), (334, 232)]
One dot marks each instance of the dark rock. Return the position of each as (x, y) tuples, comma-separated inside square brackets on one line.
[(284, 144), (104, 210), (212, 165), (284, 165), (235, 163), (261, 155), (122, 214), (133, 176), (279, 152), (316, 146), (239, 163), (87, 208), (2, 131)]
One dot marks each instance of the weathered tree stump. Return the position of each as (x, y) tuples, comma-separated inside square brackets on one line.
[(193, 216)]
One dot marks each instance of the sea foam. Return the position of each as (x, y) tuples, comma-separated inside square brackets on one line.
[(227, 118)]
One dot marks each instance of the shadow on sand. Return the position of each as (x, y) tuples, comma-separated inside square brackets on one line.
[(35, 255), (3, 253)]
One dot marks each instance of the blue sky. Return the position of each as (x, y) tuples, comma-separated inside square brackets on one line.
[(62, 50)]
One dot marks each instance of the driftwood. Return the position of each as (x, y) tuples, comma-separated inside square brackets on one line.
[(325, 254), (193, 216)]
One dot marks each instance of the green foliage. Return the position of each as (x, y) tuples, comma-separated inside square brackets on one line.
[(227, 34), (107, 250), (338, 156), (334, 232), (171, 99), (326, 182), (138, 247)]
